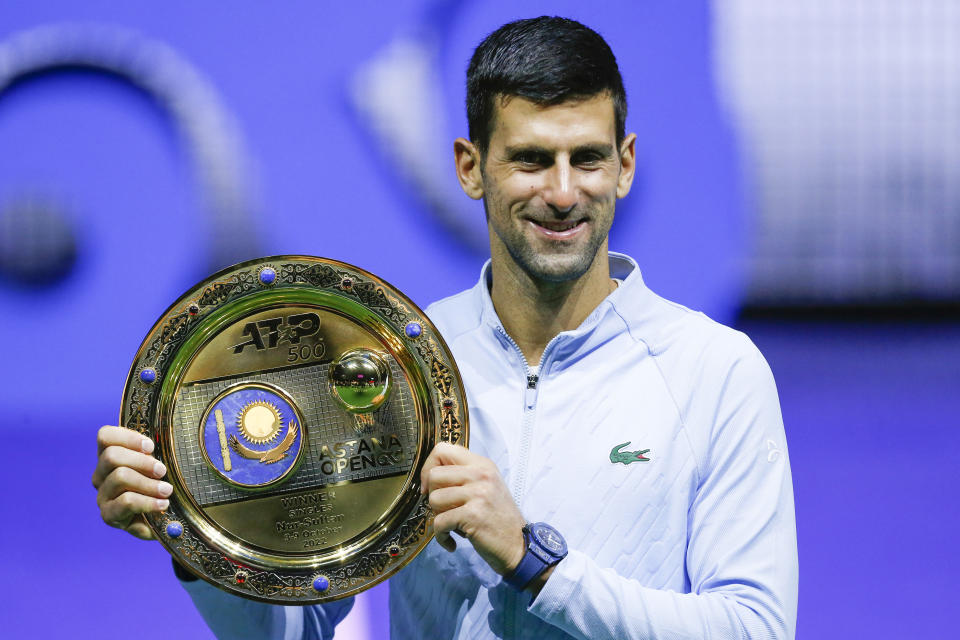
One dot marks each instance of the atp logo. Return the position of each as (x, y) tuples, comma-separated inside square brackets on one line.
[(278, 331)]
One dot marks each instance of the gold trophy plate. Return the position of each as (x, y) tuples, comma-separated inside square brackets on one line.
[(294, 400)]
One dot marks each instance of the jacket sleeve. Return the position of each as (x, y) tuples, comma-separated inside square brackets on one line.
[(741, 557), (232, 617)]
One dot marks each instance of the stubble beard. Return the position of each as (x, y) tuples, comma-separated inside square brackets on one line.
[(561, 265)]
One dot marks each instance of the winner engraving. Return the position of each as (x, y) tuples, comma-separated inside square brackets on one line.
[(309, 519), (314, 531), (299, 506)]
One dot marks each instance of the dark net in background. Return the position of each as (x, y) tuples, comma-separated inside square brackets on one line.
[(849, 117)]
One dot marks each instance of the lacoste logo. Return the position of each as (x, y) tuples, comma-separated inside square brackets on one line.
[(626, 457)]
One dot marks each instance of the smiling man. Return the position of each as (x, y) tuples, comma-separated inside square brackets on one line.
[(618, 483)]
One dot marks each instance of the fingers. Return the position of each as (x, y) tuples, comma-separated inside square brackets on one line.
[(481, 474), (120, 436), (446, 541), (444, 524), (455, 520), (448, 498), (116, 456), (440, 477), (121, 510), (127, 479), (125, 494), (445, 454), (124, 479), (140, 529)]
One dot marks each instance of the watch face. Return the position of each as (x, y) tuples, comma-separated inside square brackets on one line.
[(549, 538)]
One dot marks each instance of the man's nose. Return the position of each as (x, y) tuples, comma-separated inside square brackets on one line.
[(560, 193)]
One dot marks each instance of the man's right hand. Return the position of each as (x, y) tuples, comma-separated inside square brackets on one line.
[(127, 479)]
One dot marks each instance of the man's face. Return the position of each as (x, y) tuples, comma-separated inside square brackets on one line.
[(550, 180)]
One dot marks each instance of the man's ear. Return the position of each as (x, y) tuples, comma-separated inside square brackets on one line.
[(628, 164), (468, 161)]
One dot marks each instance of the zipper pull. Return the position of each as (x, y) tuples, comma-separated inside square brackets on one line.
[(531, 393)]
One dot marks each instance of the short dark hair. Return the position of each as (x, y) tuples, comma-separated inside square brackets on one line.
[(547, 60)]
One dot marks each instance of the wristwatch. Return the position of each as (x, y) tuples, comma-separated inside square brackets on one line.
[(545, 548)]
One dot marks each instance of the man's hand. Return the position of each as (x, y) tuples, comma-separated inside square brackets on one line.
[(469, 497), (127, 479)]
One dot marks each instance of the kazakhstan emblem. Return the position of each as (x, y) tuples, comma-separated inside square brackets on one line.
[(251, 435), (260, 422)]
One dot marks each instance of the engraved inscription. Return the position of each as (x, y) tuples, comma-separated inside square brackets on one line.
[(309, 519), (360, 454), (316, 502)]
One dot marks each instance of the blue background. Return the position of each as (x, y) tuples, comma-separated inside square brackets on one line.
[(869, 422)]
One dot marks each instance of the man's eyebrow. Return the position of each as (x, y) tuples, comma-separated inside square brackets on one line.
[(511, 150), (603, 149)]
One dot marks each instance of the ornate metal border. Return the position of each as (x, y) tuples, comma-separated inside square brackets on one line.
[(405, 320)]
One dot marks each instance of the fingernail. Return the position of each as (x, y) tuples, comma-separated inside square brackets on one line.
[(165, 488), (163, 504), (146, 445), (158, 469)]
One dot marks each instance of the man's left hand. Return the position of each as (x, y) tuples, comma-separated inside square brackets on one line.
[(469, 497)]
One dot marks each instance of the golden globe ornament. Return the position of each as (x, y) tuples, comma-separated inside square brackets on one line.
[(293, 400)]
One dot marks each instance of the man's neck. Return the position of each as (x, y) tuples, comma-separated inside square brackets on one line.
[(534, 311)]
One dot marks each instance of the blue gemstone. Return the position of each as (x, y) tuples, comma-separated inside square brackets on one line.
[(174, 529), (321, 583), (268, 275), (413, 330), (148, 375)]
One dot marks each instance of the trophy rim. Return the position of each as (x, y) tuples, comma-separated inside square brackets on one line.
[(407, 506)]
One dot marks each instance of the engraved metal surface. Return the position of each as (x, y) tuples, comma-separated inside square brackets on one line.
[(293, 400), (329, 426)]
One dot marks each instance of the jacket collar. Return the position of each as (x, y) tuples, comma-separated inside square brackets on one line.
[(631, 302)]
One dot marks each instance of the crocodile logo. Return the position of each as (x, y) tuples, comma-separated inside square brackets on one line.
[(626, 457)]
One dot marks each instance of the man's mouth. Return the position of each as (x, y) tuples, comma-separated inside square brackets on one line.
[(559, 229)]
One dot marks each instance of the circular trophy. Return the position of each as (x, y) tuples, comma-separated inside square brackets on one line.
[(294, 400)]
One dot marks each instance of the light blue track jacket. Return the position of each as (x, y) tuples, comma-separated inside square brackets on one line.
[(696, 541)]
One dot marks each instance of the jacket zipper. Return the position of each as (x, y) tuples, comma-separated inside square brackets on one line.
[(520, 476), (529, 406)]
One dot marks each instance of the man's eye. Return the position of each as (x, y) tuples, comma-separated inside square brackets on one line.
[(587, 159), (529, 159)]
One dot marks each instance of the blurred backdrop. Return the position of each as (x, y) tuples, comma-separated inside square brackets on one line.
[(798, 178)]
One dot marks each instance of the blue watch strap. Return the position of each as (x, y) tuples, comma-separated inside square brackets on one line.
[(529, 568), (541, 553)]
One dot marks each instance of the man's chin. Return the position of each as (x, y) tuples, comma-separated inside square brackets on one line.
[(558, 269)]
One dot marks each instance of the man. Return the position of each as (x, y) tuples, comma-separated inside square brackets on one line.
[(638, 430)]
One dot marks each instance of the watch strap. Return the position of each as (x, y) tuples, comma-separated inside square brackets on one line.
[(538, 557), (529, 568)]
